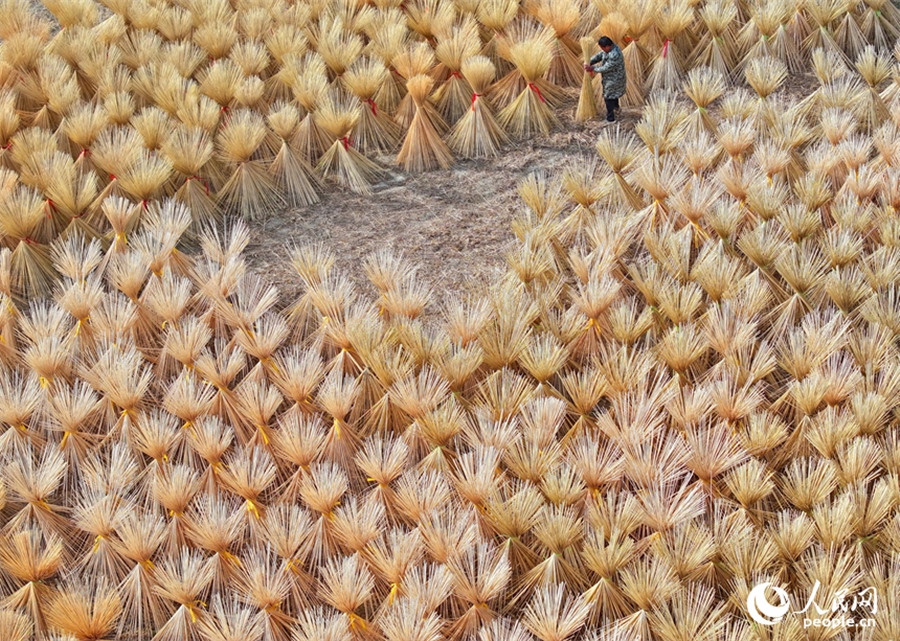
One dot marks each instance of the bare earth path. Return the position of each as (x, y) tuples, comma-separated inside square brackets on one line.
[(453, 224)]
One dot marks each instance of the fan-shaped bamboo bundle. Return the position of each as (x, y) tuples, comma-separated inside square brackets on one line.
[(587, 103), (495, 16), (342, 162), (530, 112), (81, 126), (668, 67), (418, 59), (880, 24), (310, 87), (338, 46), (477, 134), (375, 130), (561, 16), (874, 70), (190, 152), (757, 36), (715, 48), (292, 173), (430, 20), (21, 223), (639, 41), (423, 149), (387, 42), (250, 189), (704, 86), (824, 15), (453, 97)]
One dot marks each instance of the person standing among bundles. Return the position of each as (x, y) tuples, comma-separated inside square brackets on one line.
[(610, 64)]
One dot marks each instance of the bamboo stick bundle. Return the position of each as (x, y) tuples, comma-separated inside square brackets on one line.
[(715, 48), (429, 20), (342, 162), (620, 151), (639, 41), (292, 172), (495, 16), (422, 148), (174, 23), (587, 102), (387, 42), (250, 190), (530, 112), (824, 14), (21, 216), (765, 75), (418, 59), (375, 131), (338, 47), (116, 149), (153, 125), (190, 152), (703, 86), (31, 559), (9, 125), (561, 16), (310, 89), (880, 24), (848, 34), (453, 97), (219, 82), (53, 89), (143, 180), (756, 36), (874, 70), (667, 70), (477, 134), (82, 126)]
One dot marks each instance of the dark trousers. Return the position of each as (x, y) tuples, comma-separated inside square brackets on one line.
[(612, 105)]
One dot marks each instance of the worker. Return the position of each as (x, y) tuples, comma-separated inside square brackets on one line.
[(610, 64)]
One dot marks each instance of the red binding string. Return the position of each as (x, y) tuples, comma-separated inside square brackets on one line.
[(347, 142), (112, 176), (372, 105), (475, 96), (666, 48), (85, 152), (28, 240), (455, 74), (536, 90), (7, 145)]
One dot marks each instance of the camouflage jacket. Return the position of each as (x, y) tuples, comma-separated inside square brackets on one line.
[(612, 67)]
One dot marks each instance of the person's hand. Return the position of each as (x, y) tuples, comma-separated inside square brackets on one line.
[(587, 67)]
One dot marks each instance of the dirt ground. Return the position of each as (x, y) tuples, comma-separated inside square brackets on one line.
[(453, 224)]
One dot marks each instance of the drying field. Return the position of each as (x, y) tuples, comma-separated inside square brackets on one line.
[(346, 320)]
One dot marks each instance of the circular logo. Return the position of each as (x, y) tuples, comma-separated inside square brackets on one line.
[(761, 610)]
